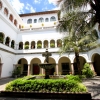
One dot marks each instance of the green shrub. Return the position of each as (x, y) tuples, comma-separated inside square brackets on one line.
[(87, 71), (74, 77), (45, 85)]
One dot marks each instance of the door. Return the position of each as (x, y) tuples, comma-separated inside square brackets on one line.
[(36, 69)]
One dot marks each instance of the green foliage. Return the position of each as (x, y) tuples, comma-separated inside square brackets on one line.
[(46, 85), (39, 45), (74, 77), (87, 71), (52, 45), (26, 47)]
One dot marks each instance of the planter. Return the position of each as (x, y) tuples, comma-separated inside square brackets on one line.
[(46, 95)]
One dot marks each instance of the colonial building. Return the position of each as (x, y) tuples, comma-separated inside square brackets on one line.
[(24, 37)]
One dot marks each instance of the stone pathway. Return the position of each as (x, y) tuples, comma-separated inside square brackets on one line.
[(93, 86)]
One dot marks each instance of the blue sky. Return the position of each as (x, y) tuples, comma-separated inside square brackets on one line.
[(30, 6)]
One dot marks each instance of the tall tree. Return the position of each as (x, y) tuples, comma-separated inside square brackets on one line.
[(77, 22)]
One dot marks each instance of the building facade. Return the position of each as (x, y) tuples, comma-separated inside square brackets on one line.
[(24, 37)]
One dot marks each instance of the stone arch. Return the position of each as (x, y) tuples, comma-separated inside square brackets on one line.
[(59, 43), (6, 11), (41, 20), (39, 44), (96, 62), (52, 43), (11, 17), (64, 65), (7, 41), (1, 37), (33, 45), (20, 45), (26, 46), (52, 18), (15, 22), (51, 60), (82, 62), (45, 44), (1, 5), (23, 63), (12, 44), (35, 69)]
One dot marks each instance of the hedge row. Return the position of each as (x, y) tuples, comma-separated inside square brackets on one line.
[(48, 85)]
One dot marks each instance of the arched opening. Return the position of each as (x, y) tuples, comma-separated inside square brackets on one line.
[(0, 5), (26, 45), (20, 45), (7, 41), (29, 21), (47, 19), (64, 66), (1, 37), (39, 44), (35, 20), (52, 18), (59, 43), (19, 26), (51, 60), (45, 44), (24, 66), (52, 43), (82, 62), (12, 44), (11, 17), (96, 63), (33, 45), (35, 69), (41, 20), (15, 22), (6, 11)]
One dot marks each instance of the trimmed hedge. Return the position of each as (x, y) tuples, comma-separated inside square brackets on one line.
[(48, 85)]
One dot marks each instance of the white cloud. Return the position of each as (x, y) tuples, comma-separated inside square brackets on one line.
[(37, 1), (44, 9), (30, 8), (17, 5), (54, 2)]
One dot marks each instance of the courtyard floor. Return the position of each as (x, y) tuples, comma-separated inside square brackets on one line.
[(93, 86)]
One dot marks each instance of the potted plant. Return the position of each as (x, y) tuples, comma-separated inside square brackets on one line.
[(16, 72), (42, 24), (52, 45), (22, 26), (39, 45), (26, 47)]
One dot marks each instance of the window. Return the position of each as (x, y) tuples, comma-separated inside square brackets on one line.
[(41, 20), (46, 20), (52, 18), (35, 20), (29, 21), (0, 5), (6, 11)]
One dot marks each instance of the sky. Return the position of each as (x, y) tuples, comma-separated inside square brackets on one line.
[(31, 6)]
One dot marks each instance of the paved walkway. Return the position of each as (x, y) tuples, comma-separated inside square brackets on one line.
[(93, 86)]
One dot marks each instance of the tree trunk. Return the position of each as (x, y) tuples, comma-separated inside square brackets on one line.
[(78, 62)]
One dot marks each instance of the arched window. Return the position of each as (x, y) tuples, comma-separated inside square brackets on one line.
[(6, 11), (52, 18), (41, 20), (29, 21), (15, 22), (0, 5), (35, 20), (47, 19), (11, 17)]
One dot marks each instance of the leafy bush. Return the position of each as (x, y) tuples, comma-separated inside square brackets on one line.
[(87, 71), (45, 85), (74, 77)]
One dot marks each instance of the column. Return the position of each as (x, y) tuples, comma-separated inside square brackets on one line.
[(0, 68), (35, 45), (56, 69), (28, 69), (48, 44), (23, 46), (14, 66), (29, 45), (55, 44), (72, 68)]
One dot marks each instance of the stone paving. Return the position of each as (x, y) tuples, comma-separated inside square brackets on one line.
[(93, 86)]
